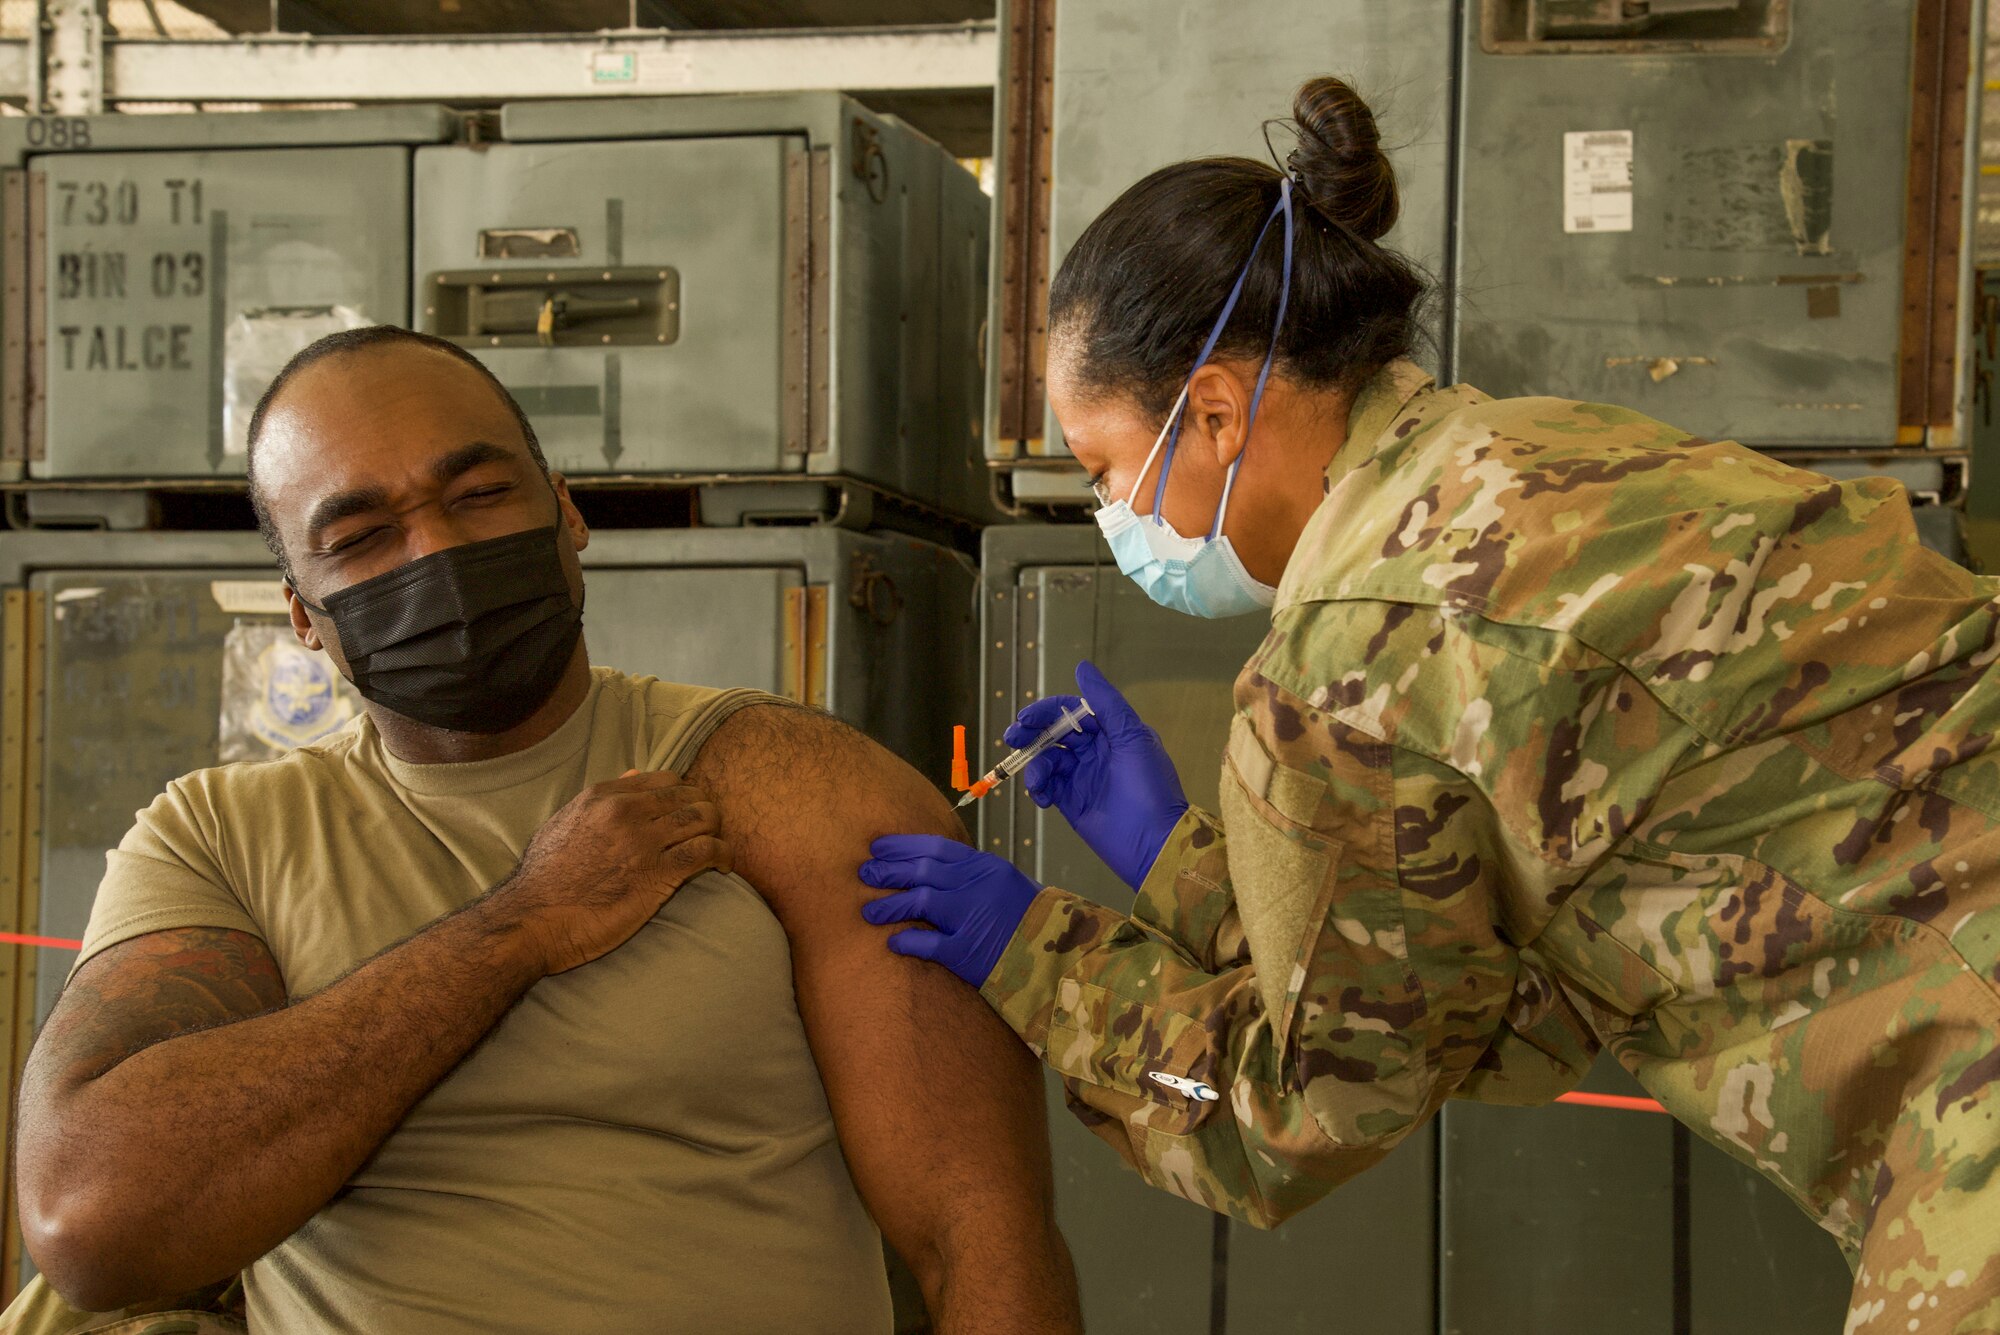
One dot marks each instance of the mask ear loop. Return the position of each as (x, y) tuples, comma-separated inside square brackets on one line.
[(1270, 355), (1173, 415), (1222, 322)]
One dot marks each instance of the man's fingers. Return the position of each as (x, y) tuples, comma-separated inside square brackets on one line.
[(918, 944), (904, 847), (696, 817), (641, 781), (689, 858), (909, 906), (655, 803)]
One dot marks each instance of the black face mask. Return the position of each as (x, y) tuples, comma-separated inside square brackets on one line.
[(472, 638)]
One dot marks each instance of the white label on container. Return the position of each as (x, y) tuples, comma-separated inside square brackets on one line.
[(614, 67), (647, 69), (250, 597), (1597, 181)]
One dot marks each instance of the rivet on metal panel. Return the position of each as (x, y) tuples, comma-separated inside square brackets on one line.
[(35, 393), (14, 318), (871, 165)]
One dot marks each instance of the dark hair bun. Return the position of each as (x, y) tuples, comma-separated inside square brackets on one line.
[(1340, 161)]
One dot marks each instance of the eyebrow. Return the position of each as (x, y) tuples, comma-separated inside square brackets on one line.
[(360, 500)]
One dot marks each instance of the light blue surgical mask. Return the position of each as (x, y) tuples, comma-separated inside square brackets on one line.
[(1202, 577)]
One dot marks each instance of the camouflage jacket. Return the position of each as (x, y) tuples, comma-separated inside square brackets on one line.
[(1571, 729)]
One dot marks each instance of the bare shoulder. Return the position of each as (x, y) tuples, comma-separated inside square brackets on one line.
[(803, 795), (152, 988)]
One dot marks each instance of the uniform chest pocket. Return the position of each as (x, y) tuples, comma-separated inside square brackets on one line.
[(1323, 916)]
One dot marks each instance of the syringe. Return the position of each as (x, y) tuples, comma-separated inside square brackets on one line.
[(1010, 765)]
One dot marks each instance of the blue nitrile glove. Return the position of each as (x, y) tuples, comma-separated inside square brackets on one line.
[(1113, 782), (974, 900)]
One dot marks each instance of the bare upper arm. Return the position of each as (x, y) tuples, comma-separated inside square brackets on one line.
[(145, 991), (940, 1107), (802, 797)]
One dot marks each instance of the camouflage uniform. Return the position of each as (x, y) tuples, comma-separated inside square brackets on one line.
[(1571, 729)]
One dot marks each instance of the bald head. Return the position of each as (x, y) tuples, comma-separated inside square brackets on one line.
[(374, 357)]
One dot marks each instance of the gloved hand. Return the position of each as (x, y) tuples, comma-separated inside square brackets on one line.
[(973, 900), (1113, 782)]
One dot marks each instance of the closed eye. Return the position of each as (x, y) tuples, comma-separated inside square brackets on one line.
[(355, 540)]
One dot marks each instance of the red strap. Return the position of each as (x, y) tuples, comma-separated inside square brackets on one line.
[(1621, 1102), (53, 942)]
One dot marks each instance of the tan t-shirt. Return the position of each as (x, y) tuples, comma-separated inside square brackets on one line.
[(641, 1144)]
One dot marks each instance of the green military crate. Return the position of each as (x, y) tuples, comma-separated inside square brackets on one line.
[(781, 286), (1191, 78), (1698, 215), (172, 264)]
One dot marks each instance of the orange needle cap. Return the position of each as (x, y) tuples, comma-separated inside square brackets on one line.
[(961, 771)]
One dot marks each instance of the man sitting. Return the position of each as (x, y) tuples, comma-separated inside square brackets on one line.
[(458, 1020)]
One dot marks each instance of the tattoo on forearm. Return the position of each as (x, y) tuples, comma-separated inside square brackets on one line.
[(154, 988)]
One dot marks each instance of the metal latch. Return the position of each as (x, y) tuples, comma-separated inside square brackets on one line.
[(554, 308), (1524, 27), (1617, 18)]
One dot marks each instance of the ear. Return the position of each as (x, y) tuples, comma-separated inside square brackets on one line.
[(302, 625), (572, 519), (1218, 410)]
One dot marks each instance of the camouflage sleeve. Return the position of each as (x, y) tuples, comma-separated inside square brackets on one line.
[(1150, 1044), (1305, 980), (1186, 897)]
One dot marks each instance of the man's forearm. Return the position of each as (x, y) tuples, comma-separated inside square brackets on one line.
[(207, 1149), (1001, 1276)]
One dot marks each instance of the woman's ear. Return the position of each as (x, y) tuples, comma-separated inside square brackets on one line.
[(1218, 410)]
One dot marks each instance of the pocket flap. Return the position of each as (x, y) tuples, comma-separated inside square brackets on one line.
[(1280, 869)]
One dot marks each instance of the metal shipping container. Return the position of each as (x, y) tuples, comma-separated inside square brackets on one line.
[(776, 286), (1699, 215), (1193, 78), (174, 264)]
